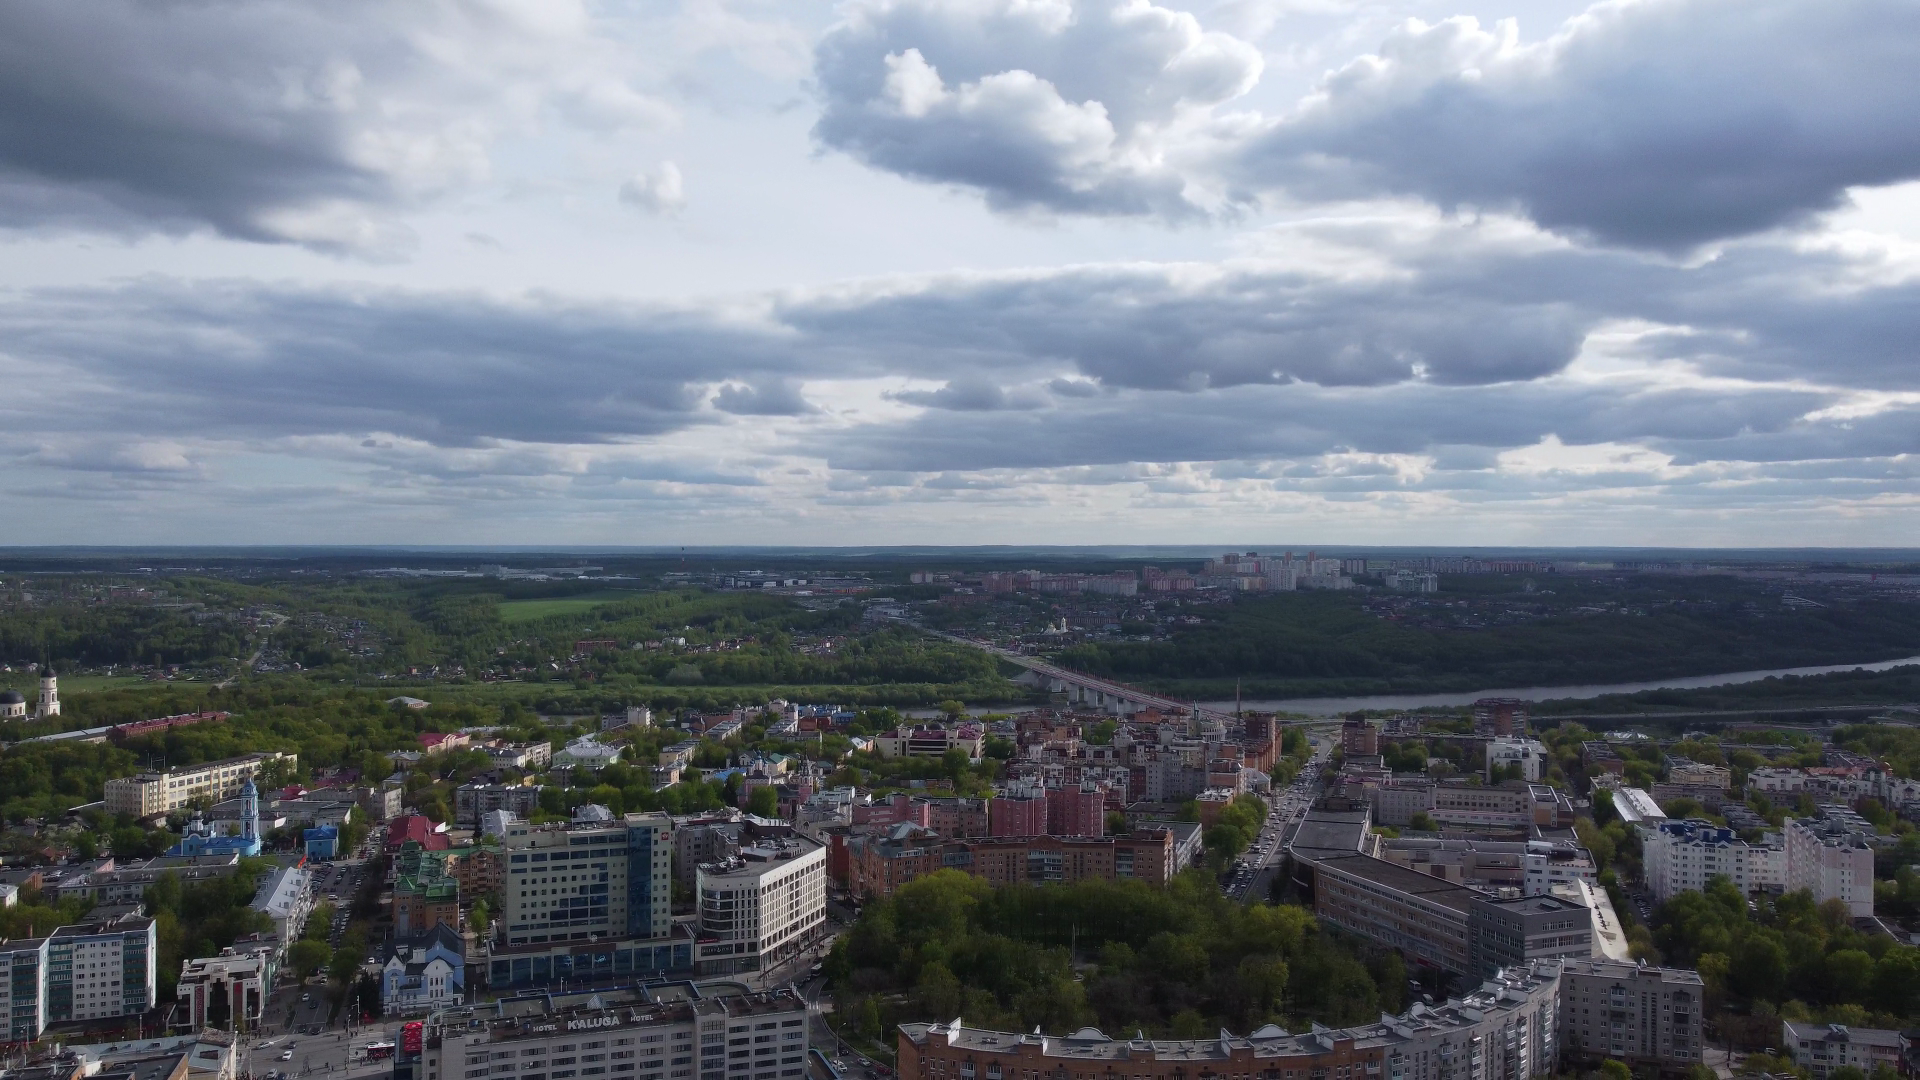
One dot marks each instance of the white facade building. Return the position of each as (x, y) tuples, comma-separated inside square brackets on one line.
[(761, 907), (1682, 855), (587, 752), (609, 1035), (286, 897), (1831, 857), (147, 794), (1822, 1048), (1635, 806), (1529, 754)]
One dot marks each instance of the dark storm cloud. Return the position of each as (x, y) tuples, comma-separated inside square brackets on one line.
[(1462, 345), (263, 120), (1658, 124), (1649, 123), (450, 370)]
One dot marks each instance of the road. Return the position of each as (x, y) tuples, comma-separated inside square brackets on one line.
[(1051, 671), (1253, 880)]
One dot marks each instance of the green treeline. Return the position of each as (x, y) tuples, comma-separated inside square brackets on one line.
[(1180, 962), (202, 918), (1787, 957), (118, 634), (1326, 642)]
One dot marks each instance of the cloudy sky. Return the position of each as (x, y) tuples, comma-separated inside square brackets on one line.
[(960, 271)]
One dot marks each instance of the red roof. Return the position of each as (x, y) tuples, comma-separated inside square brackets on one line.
[(411, 827), (431, 739)]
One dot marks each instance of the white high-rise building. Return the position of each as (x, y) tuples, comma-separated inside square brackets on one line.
[(1831, 856), (762, 906), (1682, 855), (586, 900)]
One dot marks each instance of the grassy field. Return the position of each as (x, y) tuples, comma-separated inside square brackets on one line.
[(27, 683), (515, 611)]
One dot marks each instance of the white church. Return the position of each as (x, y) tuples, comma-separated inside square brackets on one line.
[(13, 705)]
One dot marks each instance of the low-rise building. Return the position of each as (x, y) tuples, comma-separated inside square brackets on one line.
[(755, 1036), (231, 988), (424, 972), (932, 740), (1822, 1048), (586, 752), (286, 896), (1634, 806), (1507, 751), (128, 884), (149, 794), (1504, 1030), (472, 801)]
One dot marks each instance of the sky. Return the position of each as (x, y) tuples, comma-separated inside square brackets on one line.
[(1495, 272)]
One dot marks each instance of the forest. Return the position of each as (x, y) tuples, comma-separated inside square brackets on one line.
[(1785, 957), (1298, 644), (1179, 962)]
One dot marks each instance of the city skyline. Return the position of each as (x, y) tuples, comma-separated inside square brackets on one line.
[(897, 272)]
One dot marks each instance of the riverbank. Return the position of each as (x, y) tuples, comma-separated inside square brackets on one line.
[(1831, 684)]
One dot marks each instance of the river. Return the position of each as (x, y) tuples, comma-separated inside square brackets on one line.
[(1339, 705)]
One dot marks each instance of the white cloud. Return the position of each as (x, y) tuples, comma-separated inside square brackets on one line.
[(1083, 107), (658, 190)]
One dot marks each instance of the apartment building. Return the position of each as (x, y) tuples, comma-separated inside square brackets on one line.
[(1504, 1030), (1643, 1016), (1822, 1048), (877, 864), (1506, 751), (1682, 855), (88, 971), (618, 1036), (471, 802), (1832, 857), (760, 907), (1357, 736), (582, 900), (129, 884), (151, 793)]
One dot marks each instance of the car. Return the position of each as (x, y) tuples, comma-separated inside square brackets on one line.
[(304, 997), (286, 1055)]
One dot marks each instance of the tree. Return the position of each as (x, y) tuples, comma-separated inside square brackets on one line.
[(1423, 822), (1759, 966), (1612, 1069), (308, 956), (764, 802), (479, 917)]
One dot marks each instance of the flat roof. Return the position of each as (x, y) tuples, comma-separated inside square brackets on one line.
[(1404, 880), (1331, 831)]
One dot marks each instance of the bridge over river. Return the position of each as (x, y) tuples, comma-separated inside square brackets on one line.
[(1081, 688)]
